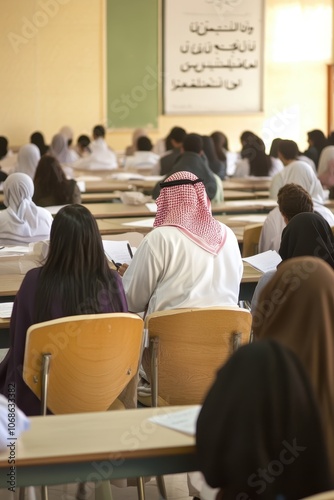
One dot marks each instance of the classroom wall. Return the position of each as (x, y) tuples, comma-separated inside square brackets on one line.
[(52, 55)]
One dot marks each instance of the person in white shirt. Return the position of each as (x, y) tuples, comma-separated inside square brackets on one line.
[(296, 171), (143, 158), (22, 222), (189, 259), (101, 157)]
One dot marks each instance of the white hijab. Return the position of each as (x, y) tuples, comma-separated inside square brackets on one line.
[(27, 160), (60, 150), (22, 222), (298, 172)]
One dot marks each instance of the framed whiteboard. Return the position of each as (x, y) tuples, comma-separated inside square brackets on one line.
[(213, 56)]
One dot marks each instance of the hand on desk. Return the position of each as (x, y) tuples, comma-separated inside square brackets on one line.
[(121, 269)]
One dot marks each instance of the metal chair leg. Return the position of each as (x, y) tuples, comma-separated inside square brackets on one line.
[(103, 491), (44, 492), (140, 488), (162, 487)]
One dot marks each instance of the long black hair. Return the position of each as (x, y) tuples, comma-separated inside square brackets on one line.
[(50, 179), (254, 150), (76, 274), (259, 432)]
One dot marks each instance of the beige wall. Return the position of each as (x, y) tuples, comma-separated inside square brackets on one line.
[(53, 73)]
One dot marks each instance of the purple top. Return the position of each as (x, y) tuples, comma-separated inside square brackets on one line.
[(22, 318)]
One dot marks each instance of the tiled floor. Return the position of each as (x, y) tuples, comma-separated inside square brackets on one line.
[(176, 486)]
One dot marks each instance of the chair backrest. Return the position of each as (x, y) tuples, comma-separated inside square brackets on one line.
[(93, 358), (191, 344), (251, 238)]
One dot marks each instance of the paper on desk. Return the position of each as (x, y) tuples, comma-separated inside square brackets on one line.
[(152, 207), (182, 421), (11, 251), (141, 223), (251, 203), (54, 209), (256, 218), (88, 178), (117, 251), (6, 309), (126, 176), (265, 261)]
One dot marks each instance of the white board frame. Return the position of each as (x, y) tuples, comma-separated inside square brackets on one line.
[(213, 56)]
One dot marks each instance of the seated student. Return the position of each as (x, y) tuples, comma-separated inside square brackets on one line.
[(259, 433), (22, 222), (51, 185), (317, 142), (189, 259), (101, 157), (27, 160), (167, 161), (296, 308), (7, 159), (326, 167), (82, 147), (254, 160), (75, 279), (37, 138), (59, 149), (138, 132), (143, 158), (9, 413), (306, 234), (192, 160), (296, 171), (292, 199), (215, 164)]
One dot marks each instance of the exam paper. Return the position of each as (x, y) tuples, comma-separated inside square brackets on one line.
[(265, 261), (182, 421), (255, 218), (6, 309), (117, 251), (11, 251), (148, 222), (152, 207)]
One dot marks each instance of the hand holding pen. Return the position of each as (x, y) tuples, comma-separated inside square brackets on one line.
[(121, 268)]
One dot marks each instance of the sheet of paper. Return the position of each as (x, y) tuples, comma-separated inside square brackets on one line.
[(6, 309), (141, 223), (125, 176), (117, 251), (265, 261), (182, 421), (255, 218), (14, 250), (88, 178), (152, 207), (54, 209), (251, 203)]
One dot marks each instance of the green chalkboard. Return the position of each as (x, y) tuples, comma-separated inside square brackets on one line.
[(132, 63)]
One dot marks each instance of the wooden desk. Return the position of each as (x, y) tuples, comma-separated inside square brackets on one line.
[(111, 210), (98, 446), (247, 183)]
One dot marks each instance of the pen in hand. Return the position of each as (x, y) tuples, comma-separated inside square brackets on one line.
[(129, 250), (116, 264)]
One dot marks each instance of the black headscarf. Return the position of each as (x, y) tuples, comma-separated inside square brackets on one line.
[(308, 234), (259, 431)]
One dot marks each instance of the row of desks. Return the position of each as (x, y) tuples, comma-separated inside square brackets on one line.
[(75, 448)]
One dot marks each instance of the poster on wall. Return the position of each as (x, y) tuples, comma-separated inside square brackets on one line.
[(213, 56)]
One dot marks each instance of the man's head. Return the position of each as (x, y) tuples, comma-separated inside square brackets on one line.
[(177, 136), (99, 131), (144, 144), (287, 151), (293, 199), (193, 143)]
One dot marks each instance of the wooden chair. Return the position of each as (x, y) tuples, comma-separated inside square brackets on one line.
[(251, 238), (327, 495), (82, 364), (187, 346)]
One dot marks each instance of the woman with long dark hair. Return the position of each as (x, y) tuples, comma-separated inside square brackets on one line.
[(74, 280), (259, 433), (51, 185), (216, 164)]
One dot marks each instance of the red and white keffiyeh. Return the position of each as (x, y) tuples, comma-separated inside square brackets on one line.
[(187, 206)]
